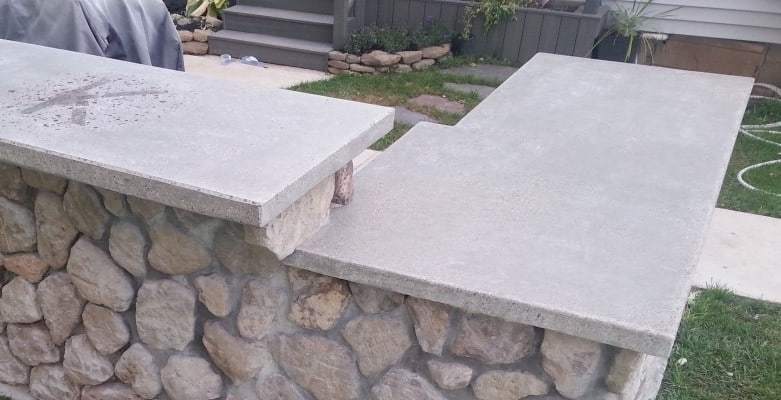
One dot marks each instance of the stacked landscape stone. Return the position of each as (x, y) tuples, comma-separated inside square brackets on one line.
[(379, 61), (112, 297), (194, 32)]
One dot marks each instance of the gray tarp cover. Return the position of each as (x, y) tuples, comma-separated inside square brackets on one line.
[(140, 31)]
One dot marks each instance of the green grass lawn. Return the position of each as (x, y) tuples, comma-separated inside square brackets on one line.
[(732, 348), (396, 90), (749, 151)]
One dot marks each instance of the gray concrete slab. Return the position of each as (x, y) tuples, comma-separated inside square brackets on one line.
[(742, 253), (491, 72), (575, 198), (481, 91), (208, 146)]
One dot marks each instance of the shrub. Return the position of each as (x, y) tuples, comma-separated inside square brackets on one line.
[(431, 34), (394, 40)]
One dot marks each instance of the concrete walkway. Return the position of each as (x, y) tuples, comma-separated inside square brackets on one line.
[(274, 76), (743, 253)]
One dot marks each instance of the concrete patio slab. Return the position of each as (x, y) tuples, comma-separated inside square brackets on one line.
[(241, 155), (522, 214), (742, 253), (274, 76)]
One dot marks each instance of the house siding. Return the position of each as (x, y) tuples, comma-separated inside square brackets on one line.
[(748, 20)]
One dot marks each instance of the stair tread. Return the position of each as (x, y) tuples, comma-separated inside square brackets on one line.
[(273, 41), (281, 14)]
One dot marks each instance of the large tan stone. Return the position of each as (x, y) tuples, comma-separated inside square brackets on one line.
[(379, 58), (48, 382), (137, 368), (17, 228), (239, 256), (379, 341), (239, 359), (319, 301), (84, 207), (627, 373), (18, 304), (106, 329), (509, 385), (260, 304), (32, 344), (322, 366), (493, 340), (434, 52), (277, 387), (450, 375), (432, 323), (373, 300), (27, 265), (299, 221), (190, 378), (114, 202), (401, 384), (575, 364), (409, 57), (148, 210), (174, 252), (60, 304), (165, 314), (12, 371), (54, 228), (127, 246), (83, 364), (215, 293), (97, 278), (108, 391)]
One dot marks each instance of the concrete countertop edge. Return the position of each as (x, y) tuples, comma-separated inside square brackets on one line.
[(640, 339)]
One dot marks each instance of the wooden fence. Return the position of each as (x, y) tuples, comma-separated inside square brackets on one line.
[(517, 40)]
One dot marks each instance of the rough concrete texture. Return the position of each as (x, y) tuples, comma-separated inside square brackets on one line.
[(279, 143), (741, 253), (408, 117), (554, 193)]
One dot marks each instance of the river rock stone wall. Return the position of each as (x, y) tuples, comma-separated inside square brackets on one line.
[(110, 297)]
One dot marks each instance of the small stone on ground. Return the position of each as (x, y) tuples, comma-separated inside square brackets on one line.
[(483, 71), (482, 91)]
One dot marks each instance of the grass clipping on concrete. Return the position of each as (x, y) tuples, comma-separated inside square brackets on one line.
[(728, 348)]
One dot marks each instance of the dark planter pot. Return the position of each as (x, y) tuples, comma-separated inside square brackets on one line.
[(175, 5), (613, 48)]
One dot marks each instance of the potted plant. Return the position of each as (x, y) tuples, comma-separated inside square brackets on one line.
[(624, 37)]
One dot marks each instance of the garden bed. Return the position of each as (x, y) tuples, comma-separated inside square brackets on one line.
[(515, 39)]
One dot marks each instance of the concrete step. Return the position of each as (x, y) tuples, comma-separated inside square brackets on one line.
[(279, 22), (312, 6), (271, 49)]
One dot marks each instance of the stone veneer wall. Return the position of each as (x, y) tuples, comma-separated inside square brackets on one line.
[(111, 297), (378, 61)]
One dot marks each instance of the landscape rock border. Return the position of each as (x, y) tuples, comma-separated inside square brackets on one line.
[(378, 61)]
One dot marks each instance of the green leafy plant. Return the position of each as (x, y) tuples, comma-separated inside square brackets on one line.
[(494, 12), (430, 34), (199, 8), (628, 22), (396, 39)]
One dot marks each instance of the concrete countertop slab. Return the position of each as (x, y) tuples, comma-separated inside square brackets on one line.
[(208, 146), (575, 198)]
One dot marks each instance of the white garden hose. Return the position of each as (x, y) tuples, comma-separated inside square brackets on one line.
[(753, 131)]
